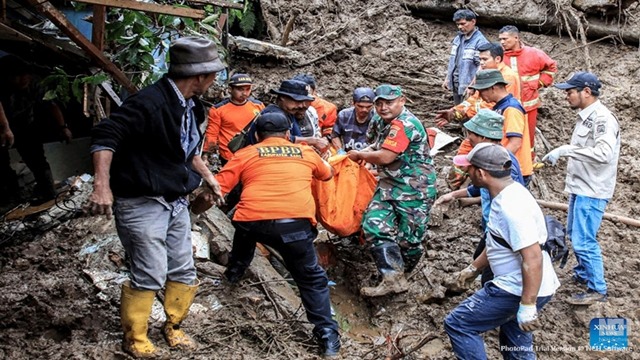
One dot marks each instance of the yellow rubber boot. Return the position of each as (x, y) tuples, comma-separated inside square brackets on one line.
[(177, 300), (135, 308)]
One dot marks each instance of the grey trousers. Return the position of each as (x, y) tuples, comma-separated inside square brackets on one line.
[(157, 240)]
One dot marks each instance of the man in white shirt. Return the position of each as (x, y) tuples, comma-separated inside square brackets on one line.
[(524, 279), (591, 179)]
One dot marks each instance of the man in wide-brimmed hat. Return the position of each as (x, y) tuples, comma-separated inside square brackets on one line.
[(292, 98), (147, 160)]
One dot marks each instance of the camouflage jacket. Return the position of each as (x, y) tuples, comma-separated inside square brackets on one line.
[(411, 176)]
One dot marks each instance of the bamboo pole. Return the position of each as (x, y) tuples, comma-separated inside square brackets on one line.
[(464, 202)]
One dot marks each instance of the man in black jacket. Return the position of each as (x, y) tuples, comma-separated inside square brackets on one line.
[(147, 160)]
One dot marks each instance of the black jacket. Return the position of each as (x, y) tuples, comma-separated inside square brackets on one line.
[(145, 134)]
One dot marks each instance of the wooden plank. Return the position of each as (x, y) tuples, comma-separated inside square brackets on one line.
[(221, 3), (97, 30), (9, 33), (65, 48), (58, 19), (149, 7)]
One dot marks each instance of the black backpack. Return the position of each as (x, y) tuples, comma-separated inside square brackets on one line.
[(556, 244)]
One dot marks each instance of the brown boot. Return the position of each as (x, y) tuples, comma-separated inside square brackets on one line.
[(135, 308), (177, 300), (389, 261)]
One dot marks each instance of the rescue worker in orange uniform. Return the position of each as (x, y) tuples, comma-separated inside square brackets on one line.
[(230, 116), (536, 69), (492, 88), (491, 55), (277, 209)]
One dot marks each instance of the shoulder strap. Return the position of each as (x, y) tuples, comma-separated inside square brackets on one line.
[(500, 240), (248, 126)]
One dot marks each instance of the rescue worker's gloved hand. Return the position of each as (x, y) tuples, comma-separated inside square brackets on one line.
[(528, 317), (466, 277), (556, 153)]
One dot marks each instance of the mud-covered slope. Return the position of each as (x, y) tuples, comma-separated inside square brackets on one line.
[(51, 308)]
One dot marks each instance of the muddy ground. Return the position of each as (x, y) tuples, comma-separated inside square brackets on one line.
[(60, 296)]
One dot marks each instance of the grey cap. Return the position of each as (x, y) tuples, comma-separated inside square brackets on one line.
[(191, 56), (487, 156)]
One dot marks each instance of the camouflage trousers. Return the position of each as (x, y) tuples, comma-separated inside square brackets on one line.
[(402, 222)]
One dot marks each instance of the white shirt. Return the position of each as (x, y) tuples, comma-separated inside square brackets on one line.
[(516, 217), (593, 162)]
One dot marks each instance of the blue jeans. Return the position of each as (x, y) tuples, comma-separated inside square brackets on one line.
[(157, 242), (583, 221), (485, 310)]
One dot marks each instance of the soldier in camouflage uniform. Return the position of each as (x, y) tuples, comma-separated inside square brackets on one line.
[(395, 222)]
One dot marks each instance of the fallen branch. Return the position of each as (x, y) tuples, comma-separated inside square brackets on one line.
[(582, 45), (544, 140), (464, 202), (611, 217), (288, 28), (314, 60), (418, 346)]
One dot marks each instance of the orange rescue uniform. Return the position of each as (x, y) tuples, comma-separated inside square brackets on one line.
[(274, 173), (226, 119), (472, 104), (514, 125), (327, 114), (536, 70)]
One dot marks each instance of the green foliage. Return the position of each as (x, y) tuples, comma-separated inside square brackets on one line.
[(246, 18), (60, 85), (133, 38)]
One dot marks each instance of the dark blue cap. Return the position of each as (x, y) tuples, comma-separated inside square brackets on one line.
[(363, 94), (581, 79), (272, 122)]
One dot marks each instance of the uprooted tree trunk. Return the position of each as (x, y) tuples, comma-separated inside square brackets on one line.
[(575, 17)]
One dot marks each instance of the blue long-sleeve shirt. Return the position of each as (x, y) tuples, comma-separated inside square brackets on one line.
[(464, 63)]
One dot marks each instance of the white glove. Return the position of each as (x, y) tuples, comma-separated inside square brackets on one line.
[(556, 153), (466, 277), (528, 317)]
